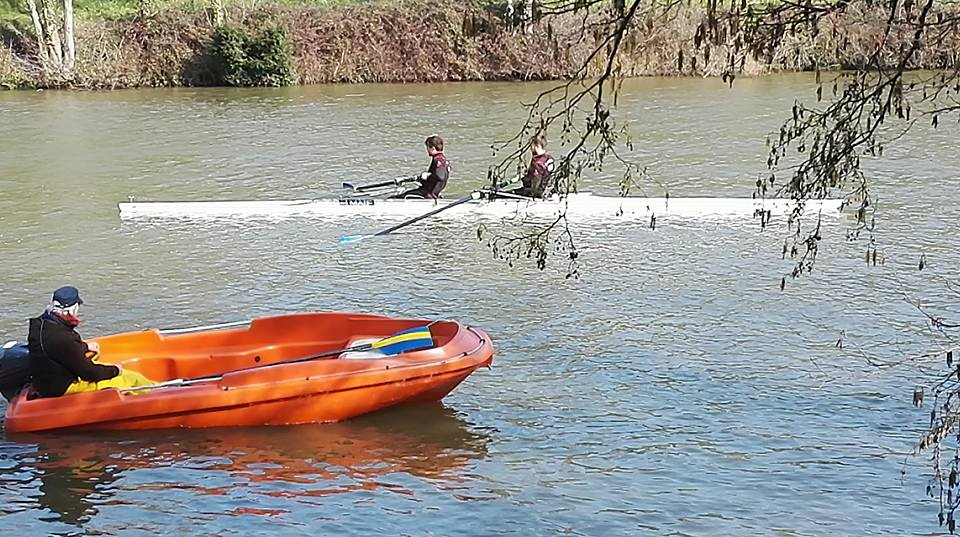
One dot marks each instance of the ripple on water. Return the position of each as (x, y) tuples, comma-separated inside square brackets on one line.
[(673, 389)]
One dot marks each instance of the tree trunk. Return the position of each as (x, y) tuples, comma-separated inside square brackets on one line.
[(53, 34), (38, 28), (527, 15), (218, 13), (70, 57)]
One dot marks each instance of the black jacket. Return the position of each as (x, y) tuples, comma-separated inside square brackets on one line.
[(58, 357)]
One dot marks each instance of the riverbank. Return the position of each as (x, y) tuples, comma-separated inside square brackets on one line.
[(401, 42)]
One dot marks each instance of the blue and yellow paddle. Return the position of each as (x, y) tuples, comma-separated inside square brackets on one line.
[(408, 340), (411, 339)]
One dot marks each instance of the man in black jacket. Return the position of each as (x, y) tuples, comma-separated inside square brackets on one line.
[(60, 361)]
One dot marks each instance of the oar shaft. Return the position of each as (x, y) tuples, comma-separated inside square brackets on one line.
[(494, 194), (212, 378), (375, 186), (414, 220), (475, 195), (396, 182)]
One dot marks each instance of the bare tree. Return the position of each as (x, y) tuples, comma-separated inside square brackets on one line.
[(38, 30), (70, 49), (817, 152), (56, 52), (580, 111)]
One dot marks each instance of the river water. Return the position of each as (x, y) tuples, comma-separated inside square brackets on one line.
[(672, 389)]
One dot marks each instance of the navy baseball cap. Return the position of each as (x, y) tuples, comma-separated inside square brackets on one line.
[(66, 296)]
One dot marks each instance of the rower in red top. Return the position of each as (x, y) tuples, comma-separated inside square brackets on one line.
[(434, 180), (537, 179)]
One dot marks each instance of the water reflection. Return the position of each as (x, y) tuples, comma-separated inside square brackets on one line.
[(74, 475)]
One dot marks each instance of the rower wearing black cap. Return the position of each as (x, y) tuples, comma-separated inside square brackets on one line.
[(61, 362)]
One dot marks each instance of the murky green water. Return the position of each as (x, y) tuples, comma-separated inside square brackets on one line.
[(672, 390)]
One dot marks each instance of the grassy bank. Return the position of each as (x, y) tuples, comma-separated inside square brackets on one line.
[(132, 43), (13, 13)]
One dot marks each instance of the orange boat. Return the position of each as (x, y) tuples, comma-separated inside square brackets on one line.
[(288, 369)]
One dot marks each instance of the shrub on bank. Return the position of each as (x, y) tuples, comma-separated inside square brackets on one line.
[(242, 58), (11, 76)]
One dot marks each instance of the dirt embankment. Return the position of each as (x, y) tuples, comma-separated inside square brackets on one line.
[(406, 43)]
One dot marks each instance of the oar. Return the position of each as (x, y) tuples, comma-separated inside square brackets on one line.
[(494, 194), (354, 238), (362, 188), (408, 340), (475, 195)]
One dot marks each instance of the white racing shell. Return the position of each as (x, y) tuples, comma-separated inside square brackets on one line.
[(581, 206)]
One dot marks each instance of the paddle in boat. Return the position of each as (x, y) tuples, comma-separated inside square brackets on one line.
[(288, 369)]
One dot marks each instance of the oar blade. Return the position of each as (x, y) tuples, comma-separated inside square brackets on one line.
[(352, 238), (408, 340), (348, 186)]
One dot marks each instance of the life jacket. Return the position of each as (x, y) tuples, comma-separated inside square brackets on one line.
[(537, 179), (439, 171)]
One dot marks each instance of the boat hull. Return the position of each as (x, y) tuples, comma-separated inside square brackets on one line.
[(323, 390), (581, 205)]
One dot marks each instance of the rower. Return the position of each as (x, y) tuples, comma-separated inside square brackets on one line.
[(434, 180), (537, 178)]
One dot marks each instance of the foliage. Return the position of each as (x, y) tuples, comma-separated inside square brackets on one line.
[(818, 151), (13, 11), (11, 77), (13, 81), (244, 59), (13, 15)]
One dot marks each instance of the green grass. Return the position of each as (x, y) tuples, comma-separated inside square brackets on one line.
[(15, 13)]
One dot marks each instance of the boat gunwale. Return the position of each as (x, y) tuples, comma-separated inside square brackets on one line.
[(330, 376)]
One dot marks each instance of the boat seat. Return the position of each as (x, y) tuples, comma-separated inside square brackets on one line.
[(362, 355)]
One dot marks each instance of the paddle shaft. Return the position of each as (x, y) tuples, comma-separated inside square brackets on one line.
[(494, 194), (414, 220), (475, 195), (395, 182), (199, 380)]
